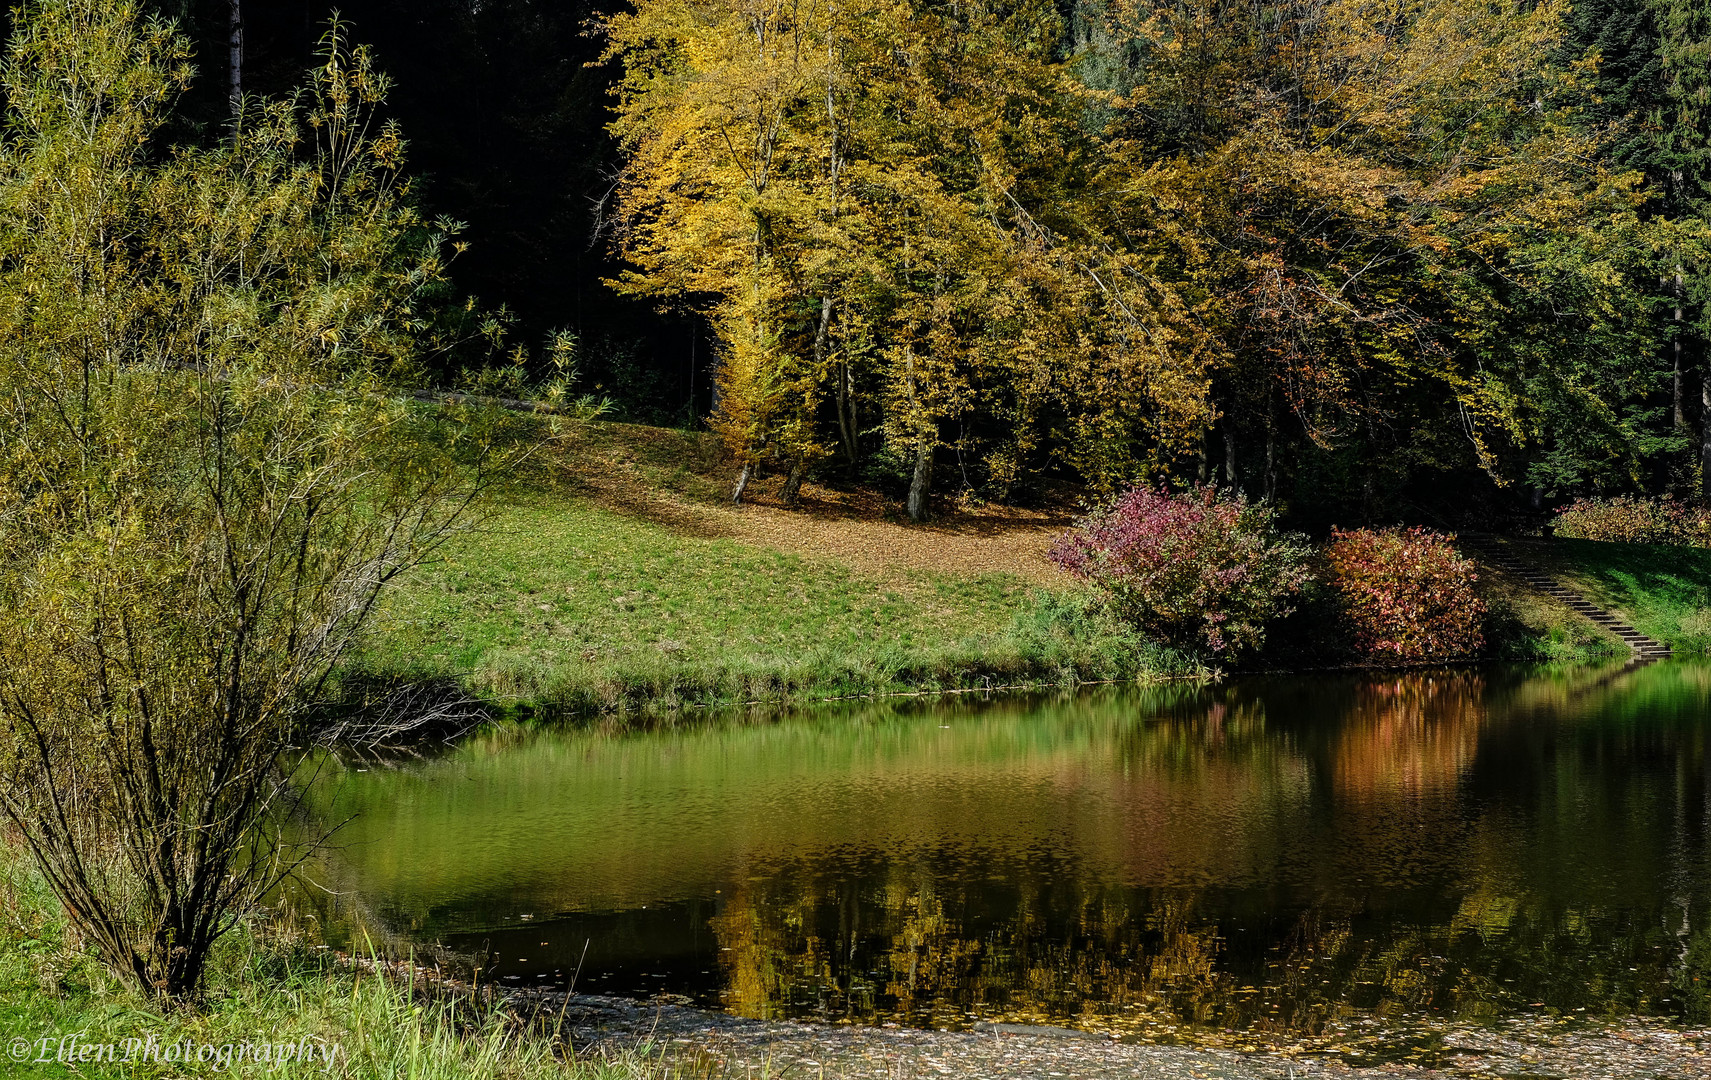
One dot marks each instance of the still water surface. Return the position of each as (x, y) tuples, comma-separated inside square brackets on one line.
[(1269, 855)]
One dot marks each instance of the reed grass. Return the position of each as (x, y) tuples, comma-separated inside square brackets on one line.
[(268, 987)]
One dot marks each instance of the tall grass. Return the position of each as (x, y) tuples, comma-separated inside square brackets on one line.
[(265, 988)]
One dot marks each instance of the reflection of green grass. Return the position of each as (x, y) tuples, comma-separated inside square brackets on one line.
[(588, 816), (560, 602)]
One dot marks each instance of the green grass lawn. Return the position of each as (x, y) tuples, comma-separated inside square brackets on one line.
[(559, 602), (1662, 591)]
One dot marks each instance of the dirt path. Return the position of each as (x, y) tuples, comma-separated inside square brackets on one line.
[(860, 527), (997, 542)]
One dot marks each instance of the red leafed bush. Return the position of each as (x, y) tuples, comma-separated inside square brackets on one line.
[(1628, 520), (1196, 569), (1407, 592)]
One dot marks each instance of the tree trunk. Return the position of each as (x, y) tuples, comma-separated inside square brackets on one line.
[(840, 374), (743, 481), (846, 414), (1270, 460), (1680, 415), (1675, 389), (922, 481), (1230, 458), (1205, 467), (235, 55), (792, 490), (1705, 433)]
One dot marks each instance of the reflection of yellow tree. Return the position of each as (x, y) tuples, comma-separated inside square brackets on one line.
[(1108, 966), (764, 952), (929, 959), (1111, 960), (1098, 957)]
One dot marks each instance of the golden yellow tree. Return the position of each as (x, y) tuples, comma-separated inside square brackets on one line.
[(889, 200), (730, 166)]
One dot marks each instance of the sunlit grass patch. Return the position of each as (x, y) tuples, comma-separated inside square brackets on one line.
[(1663, 591), (558, 601), (1524, 624), (267, 995)]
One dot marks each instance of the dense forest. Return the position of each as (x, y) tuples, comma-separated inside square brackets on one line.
[(1374, 261)]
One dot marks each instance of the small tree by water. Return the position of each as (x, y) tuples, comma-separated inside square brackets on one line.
[(204, 481)]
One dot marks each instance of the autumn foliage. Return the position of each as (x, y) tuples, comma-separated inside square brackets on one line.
[(1199, 569), (1630, 520), (1140, 237), (1407, 593)]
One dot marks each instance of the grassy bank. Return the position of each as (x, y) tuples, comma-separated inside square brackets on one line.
[(612, 575), (263, 990), (1524, 624), (1660, 590)]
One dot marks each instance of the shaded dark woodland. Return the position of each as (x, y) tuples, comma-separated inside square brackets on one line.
[(505, 108)]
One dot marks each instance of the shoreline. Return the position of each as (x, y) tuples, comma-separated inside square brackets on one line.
[(1633, 1048), (1631, 1051), (671, 1030), (654, 708)]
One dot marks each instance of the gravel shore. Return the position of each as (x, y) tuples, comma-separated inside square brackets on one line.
[(1522, 1048)]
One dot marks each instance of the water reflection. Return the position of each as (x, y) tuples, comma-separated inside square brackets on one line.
[(1275, 856)]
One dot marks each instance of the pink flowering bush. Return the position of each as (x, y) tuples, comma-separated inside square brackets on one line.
[(1629, 520), (1407, 593), (1200, 569)]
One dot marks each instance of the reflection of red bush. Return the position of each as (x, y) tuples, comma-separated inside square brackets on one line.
[(1407, 592), (1199, 568)]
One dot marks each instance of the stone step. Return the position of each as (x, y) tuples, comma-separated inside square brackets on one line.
[(1580, 605)]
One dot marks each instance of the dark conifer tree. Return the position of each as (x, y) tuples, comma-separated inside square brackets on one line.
[(1654, 71)]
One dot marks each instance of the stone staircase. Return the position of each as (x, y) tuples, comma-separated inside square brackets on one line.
[(1496, 553)]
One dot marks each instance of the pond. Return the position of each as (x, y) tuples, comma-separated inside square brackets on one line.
[(1268, 855)]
